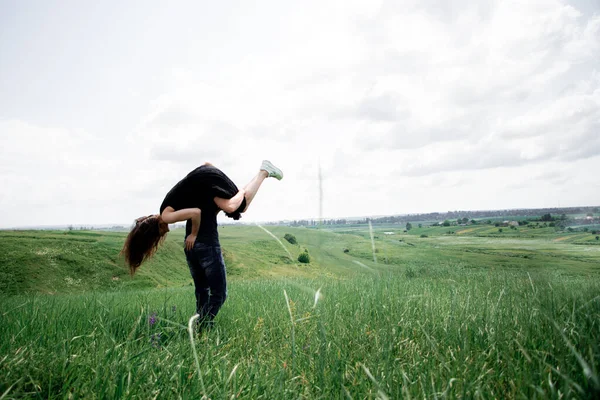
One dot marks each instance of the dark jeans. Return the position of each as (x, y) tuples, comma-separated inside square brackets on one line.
[(208, 271)]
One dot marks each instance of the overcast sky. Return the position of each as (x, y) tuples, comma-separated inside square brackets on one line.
[(408, 106)]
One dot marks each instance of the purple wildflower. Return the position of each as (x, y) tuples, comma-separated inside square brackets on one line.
[(152, 319)]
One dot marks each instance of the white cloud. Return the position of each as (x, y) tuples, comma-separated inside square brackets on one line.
[(397, 101)]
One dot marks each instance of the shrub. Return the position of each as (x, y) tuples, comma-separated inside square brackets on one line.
[(290, 238), (546, 217), (500, 230), (304, 257), (346, 250), (424, 235), (597, 237)]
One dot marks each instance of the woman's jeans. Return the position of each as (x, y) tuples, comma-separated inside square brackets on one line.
[(208, 271)]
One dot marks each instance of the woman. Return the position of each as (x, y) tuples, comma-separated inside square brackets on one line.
[(197, 199)]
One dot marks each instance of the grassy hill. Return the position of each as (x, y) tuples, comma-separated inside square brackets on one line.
[(463, 315), (77, 261), (74, 261)]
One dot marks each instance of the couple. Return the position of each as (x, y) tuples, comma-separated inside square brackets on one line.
[(197, 199)]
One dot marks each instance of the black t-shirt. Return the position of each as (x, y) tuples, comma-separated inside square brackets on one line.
[(198, 190)]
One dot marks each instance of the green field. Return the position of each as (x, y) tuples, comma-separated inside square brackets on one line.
[(476, 313)]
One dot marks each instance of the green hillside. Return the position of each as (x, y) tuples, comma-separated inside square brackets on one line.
[(468, 314), (74, 261), (77, 261)]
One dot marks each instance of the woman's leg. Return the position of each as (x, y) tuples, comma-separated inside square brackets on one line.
[(252, 187), (266, 170)]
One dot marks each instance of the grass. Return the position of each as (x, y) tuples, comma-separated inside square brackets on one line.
[(445, 332), (447, 316), (75, 261)]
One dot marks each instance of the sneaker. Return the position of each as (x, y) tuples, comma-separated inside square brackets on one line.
[(272, 170)]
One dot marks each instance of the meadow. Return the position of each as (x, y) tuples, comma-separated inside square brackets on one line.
[(426, 313)]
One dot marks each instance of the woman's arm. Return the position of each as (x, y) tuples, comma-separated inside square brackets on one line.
[(170, 216), (231, 205)]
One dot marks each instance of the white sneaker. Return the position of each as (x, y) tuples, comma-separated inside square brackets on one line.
[(272, 170)]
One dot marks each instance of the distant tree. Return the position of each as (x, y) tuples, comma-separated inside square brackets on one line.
[(563, 217), (594, 232), (446, 223), (570, 229), (497, 224), (489, 222), (290, 238), (70, 227), (473, 222), (465, 220), (585, 229), (524, 222), (589, 215), (459, 221), (420, 225), (597, 237), (546, 217), (500, 230), (408, 226), (304, 257), (552, 224)]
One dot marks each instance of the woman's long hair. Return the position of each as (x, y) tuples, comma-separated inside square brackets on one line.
[(143, 240)]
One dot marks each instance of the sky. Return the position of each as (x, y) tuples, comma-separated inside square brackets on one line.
[(400, 106)]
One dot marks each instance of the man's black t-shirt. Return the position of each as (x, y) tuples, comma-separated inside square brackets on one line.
[(198, 190)]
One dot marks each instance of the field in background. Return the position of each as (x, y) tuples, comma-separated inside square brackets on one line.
[(473, 313)]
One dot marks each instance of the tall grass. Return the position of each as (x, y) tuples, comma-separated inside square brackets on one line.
[(437, 332)]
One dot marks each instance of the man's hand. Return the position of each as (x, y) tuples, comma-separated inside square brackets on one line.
[(189, 242)]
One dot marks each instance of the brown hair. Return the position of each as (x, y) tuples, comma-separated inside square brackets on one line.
[(143, 240)]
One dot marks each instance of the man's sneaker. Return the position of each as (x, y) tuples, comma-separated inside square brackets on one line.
[(272, 170)]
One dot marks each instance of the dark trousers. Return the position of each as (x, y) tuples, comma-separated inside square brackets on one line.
[(208, 271)]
